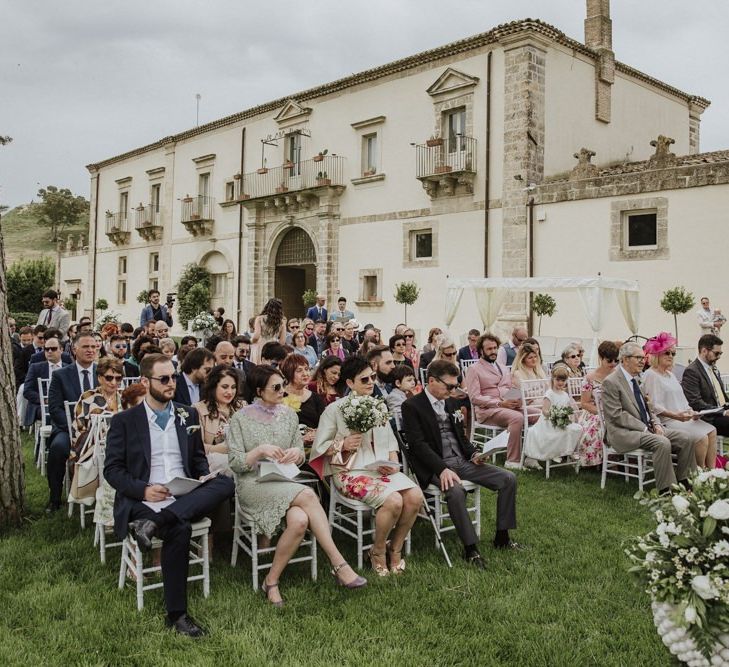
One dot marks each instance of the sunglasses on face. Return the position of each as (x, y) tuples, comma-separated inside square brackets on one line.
[(366, 379), (449, 387), (670, 354), (717, 354), (409, 336), (114, 378), (51, 349), (279, 386), (119, 346), (573, 356), (294, 326), (335, 340), (166, 379), (449, 354)]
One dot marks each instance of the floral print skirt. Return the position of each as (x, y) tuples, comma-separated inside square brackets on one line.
[(590, 448), (369, 487)]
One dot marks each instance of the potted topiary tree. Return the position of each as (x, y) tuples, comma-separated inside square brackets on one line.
[(407, 293), (543, 304), (308, 298), (677, 301)]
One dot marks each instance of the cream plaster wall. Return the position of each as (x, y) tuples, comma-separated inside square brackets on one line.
[(639, 114), (575, 240)]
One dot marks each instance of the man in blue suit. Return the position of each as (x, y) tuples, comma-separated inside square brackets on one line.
[(318, 311), (41, 370), (67, 385), (194, 370), (41, 356), (148, 446)]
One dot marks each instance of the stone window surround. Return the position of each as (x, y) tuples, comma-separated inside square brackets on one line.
[(364, 128), (441, 107), (408, 229), (122, 260), (119, 300), (363, 302), (618, 221)]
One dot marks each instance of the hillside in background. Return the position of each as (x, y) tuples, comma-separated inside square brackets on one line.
[(25, 237)]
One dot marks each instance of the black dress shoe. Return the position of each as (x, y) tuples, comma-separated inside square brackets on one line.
[(476, 560), (512, 546), (186, 625), (143, 530), (52, 507)]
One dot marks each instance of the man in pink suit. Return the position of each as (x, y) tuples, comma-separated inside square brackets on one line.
[(487, 383)]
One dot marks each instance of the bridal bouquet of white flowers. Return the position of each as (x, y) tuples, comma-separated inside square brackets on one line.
[(560, 416), (684, 565), (362, 413)]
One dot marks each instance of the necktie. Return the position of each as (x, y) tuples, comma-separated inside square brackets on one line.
[(48, 316), (162, 417), (439, 407), (639, 401), (86, 383), (716, 384)]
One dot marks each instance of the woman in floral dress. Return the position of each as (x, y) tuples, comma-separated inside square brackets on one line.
[(343, 455), (267, 429), (590, 449)]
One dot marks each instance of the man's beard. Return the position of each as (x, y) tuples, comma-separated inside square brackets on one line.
[(385, 378), (158, 395), (491, 358)]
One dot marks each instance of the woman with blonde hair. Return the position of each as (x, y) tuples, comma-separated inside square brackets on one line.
[(527, 365)]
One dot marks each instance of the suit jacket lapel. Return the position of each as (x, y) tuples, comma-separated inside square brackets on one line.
[(142, 425), (432, 420), (181, 435), (75, 381)]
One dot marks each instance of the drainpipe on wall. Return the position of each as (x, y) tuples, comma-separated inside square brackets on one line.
[(530, 316), (240, 227), (486, 169), (93, 256)]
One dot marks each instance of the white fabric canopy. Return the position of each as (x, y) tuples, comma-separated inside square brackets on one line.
[(491, 293)]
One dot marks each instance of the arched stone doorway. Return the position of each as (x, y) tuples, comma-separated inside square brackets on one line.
[(295, 270), (220, 281)]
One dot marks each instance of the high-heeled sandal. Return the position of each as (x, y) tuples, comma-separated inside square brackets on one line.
[(358, 582), (400, 567), (381, 570), (267, 587)]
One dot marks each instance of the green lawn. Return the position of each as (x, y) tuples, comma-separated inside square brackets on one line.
[(566, 601)]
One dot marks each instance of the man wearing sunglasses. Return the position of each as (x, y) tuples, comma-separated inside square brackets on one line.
[(441, 455), (41, 370), (148, 446), (67, 384), (702, 384), (117, 347), (631, 424)]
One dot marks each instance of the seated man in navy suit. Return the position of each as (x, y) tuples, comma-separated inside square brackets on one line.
[(67, 385), (40, 370), (40, 356), (147, 446), (194, 368)]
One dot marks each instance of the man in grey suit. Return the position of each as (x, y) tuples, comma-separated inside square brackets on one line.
[(53, 316), (631, 425), (702, 383)]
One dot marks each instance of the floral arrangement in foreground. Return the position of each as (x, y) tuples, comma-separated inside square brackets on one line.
[(202, 322), (560, 416), (361, 413), (684, 561), (105, 318)]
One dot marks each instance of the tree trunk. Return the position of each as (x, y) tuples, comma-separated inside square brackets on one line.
[(12, 475), (675, 326), (539, 326)]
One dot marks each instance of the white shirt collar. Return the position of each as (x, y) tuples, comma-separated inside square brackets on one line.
[(152, 417), (433, 400), (706, 366), (627, 375)]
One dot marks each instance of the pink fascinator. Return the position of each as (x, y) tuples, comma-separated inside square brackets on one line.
[(660, 343)]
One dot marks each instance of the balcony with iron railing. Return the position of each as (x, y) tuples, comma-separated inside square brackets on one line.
[(447, 166), (117, 227), (148, 221), (311, 178), (198, 214)]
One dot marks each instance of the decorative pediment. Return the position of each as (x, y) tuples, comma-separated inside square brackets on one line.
[(450, 81), (292, 111)]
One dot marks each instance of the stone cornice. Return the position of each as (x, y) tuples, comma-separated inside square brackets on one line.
[(498, 35)]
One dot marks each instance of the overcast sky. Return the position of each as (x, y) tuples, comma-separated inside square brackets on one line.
[(84, 80)]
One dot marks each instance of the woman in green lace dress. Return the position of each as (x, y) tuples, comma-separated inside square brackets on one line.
[(267, 429)]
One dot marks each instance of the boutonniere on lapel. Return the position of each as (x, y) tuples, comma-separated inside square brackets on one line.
[(191, 429), (457, 416), (182, 415)]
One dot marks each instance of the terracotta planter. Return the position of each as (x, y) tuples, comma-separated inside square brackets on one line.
[(194, 216), (443, 169), (187, 200), (262, 170), (322, 182), (318, 158), (370, 172), (288, 165), (243, 197), (432, 143), (237, 177)]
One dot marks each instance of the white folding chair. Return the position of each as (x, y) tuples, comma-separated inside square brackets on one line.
[(348, 517), (466, 364), (126, 381), (43, 428), (438, 505), (85, 506), (132, 559), (637, 464), (423, 372), (574, 387), (245, 536)]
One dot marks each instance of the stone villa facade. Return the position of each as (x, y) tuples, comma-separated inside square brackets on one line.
[(455, 162)]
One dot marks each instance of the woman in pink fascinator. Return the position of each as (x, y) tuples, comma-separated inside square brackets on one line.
[(666, 395)]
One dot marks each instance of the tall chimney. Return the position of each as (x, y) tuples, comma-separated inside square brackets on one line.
[(599, 38)]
